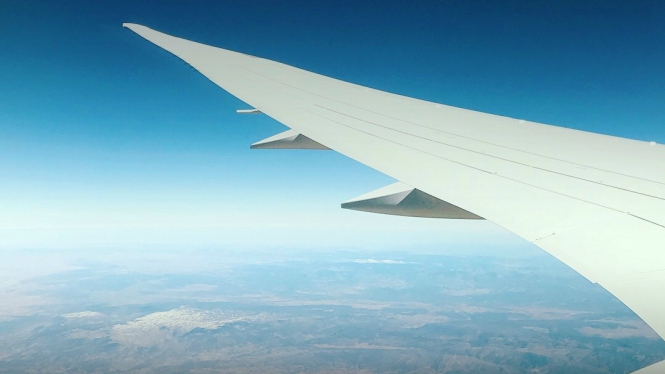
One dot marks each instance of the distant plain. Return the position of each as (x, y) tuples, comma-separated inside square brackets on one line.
[(315, 312)]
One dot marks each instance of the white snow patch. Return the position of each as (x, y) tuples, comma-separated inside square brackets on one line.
[(86, 314), (375, 261)]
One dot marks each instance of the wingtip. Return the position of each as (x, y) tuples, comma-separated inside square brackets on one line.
[(145, 32), (136, 27)]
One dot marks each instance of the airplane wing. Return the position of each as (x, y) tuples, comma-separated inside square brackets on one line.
[(595, 202)]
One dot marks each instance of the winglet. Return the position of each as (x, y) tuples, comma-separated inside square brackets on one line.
[(135, 27)]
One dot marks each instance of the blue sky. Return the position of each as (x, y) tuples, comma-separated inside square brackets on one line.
[(106, 140)]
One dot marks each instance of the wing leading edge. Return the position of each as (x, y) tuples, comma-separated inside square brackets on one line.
[(595, 202)]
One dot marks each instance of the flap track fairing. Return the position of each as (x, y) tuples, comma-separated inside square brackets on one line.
[(402, 200), (289, 139)]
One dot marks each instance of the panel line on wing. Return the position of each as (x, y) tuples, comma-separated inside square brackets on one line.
[(644, 219), (456, 134), (489, 155), (298, 99), (577, 226), (466, 165)]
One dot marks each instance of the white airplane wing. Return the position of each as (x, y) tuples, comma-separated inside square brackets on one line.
[(593, 201)]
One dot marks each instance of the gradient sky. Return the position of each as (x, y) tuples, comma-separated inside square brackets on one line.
[(107, 140)]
